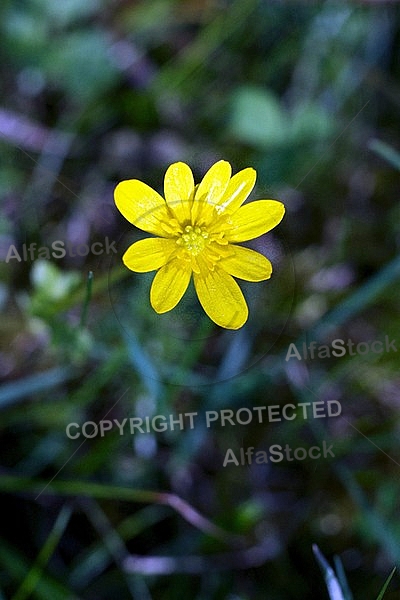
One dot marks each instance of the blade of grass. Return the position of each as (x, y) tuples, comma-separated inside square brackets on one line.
[(95, 558), (33, 576), (379, 528), (100, 285), (210, 38), (12, 483), (16, 566), (342, 578), (143, 364), (386, 152), (332, 584), (352, 305), (42, 454), (386, 585), (85, 307), (11, 393), (356, 302), (91, 385), (112, 542), (360, 300)]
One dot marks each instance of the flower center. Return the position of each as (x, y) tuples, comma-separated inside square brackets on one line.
[(193, 239)]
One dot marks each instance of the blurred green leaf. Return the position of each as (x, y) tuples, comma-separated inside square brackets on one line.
[(51, 284), (386, 585), (66, 12), (27, 34), (257, 117), (332, 583), (14, 563), (386, 152), (79, 64), (371, 523), (95, 559), (310, 121), (32, 578), (16, 391), (341, 575)]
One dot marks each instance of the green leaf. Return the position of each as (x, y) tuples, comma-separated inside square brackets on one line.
[(310, 121), (386, 152), (11, 393), (374, 523), (79, 63), (342, 578), (66, 12), (15, 564), (257, 118), (332, 583), (29, 584), (386, 584)]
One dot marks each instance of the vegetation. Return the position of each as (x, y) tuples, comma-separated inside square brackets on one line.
[(97, 92)]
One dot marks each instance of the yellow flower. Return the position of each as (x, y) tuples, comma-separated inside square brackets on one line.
[(197, 228)]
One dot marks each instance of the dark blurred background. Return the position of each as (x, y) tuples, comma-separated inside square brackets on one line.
[(100, 91)]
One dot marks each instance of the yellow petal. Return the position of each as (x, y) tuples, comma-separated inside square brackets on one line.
[(149, 254), (142, 206), (246, 264), (254, 219), (169, 285), (179, 189), (238, 190), (210, 190), (221, 298)]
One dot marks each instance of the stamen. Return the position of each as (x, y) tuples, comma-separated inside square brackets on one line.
[(193, 239)]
